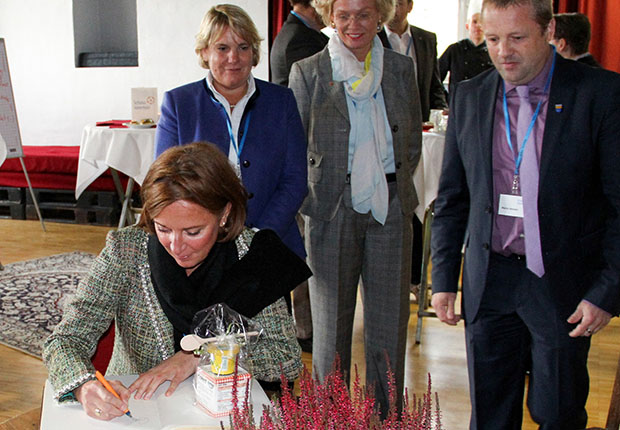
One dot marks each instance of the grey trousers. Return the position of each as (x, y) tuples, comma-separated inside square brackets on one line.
[(301, 300), (340, 251)]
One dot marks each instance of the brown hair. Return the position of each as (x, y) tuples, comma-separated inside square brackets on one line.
[(574, 28), (217, 20), (199, 173), (543, 9)]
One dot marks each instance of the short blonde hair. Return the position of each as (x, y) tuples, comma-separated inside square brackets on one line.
[(220, 18), (324, 9)]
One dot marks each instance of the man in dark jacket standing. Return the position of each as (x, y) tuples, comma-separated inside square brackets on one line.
[(300, 37)]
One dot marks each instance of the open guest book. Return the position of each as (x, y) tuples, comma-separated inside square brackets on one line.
[(160, 412)]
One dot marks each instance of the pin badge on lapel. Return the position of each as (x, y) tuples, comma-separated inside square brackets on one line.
[(559, 107)]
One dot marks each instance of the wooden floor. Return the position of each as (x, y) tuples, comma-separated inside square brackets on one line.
[(441, 352)]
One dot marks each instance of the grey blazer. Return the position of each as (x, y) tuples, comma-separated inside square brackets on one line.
[(325, 116)]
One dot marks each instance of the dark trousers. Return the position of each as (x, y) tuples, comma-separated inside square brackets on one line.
[(416, 252), (519, 328)]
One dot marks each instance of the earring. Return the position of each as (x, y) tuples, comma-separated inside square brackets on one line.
[(223, 222), (379, 27), (333, 24)]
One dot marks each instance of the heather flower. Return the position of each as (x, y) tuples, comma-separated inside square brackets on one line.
[(330, 405)]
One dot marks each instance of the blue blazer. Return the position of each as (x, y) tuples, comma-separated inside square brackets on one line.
[(273, 158), (578, 195)]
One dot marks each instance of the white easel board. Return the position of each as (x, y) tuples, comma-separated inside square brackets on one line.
[(9, 128)]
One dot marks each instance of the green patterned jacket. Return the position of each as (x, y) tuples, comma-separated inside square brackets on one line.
[(119, 288)]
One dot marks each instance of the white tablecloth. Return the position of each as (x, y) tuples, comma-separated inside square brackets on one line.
[(127, 150), (426, 176)]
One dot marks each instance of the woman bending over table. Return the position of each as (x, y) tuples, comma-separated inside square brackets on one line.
[(189, 251), (255, 123)]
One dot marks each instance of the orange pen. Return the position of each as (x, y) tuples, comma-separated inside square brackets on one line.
[(108, 387)]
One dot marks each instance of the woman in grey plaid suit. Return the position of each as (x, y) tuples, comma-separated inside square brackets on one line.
[(189, 251), (360, 108)]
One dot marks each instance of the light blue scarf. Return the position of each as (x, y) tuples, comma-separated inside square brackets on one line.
[(369, 189)]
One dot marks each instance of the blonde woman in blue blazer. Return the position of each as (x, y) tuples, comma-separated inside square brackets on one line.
[(254, 122)]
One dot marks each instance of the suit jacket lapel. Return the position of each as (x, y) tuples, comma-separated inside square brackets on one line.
[(561, 93), (334, 90), (486, 116)]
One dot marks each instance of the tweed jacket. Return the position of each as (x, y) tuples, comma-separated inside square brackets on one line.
[(119, 288), (323, 108)]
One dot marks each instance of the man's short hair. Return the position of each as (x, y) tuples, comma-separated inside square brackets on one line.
[(574, 28), (301, 2), (543, 9)]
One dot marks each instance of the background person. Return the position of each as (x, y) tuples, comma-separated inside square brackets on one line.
[(254, 122), (299, 38), (359, 106), (468, 57), (421, 46), (189, 252), (540, 281), (572, 37)]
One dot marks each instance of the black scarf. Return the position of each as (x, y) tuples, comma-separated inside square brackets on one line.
[(267, 272)]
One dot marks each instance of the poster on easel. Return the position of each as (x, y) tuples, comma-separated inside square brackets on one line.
[(9, 128)]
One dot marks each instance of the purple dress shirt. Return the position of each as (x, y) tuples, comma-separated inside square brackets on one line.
[(507, 237)]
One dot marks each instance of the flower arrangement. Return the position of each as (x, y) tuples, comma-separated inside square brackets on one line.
[(331, 405)]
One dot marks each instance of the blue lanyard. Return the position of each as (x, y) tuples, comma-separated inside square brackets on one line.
[(301, 19), (239, 148), (532, 122)]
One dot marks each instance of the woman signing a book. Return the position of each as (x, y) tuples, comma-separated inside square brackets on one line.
[(189, 250)]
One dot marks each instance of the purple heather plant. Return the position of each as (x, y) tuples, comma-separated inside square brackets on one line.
[(330, 405)]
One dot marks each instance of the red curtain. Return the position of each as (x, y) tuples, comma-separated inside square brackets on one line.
[(604, 16), (278, 11)]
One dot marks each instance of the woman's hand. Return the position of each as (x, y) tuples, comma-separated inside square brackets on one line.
[(99, 403), (176, 370)]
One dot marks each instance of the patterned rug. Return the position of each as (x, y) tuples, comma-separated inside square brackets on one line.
[(33, 294)]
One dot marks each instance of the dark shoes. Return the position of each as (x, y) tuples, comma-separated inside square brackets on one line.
[(306, 344)]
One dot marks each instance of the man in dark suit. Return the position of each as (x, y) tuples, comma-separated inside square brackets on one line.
[(541, 226), (299, 37), (421, 46), (572, 37)]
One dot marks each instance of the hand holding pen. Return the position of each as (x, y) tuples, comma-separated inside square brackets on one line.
[(108, 387), (95, 398)]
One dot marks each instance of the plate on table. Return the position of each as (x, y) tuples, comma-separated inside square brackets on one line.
[(130, 125), (427, 126)]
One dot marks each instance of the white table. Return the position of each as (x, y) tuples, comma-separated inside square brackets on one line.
[(177, 411), (127, 150), (426, 176), (426, 182)]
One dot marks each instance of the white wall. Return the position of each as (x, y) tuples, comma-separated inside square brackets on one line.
[(442, 17), (54, 99)]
